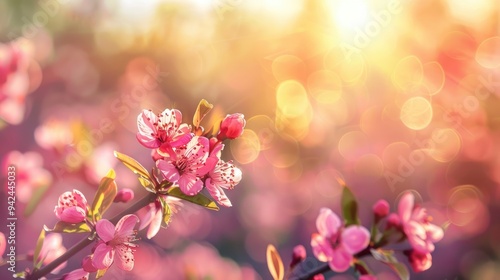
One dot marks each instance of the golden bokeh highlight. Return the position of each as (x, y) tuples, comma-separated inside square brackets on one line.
[(408, 73), (265, 129), (351, 144), (434, 77), (445, 145), (246, 148), (416, 113), (488, 53), (324, 86), (466, 208), (291, 99)]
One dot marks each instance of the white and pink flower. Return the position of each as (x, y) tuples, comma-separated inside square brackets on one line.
[(417, 226), (335, 243), (187, 165), (152, 215), (116, 240), (72, 207), (163, 131), (52, 248)]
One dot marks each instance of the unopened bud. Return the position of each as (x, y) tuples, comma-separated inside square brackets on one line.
[(124, 195), (381, 208), (299, 254), (231, 127)]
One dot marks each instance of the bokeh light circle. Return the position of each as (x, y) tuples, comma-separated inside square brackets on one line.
[(416, 113)]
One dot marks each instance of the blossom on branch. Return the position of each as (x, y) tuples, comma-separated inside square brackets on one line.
[(72, 207), (116, 240), (335, 243)]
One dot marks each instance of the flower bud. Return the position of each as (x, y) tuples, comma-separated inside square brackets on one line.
[(367, 277), (124, 195), (299, 254), (231, 127), (381, 208), (418, 261), (393, 221), (318, 277), (71, 207)]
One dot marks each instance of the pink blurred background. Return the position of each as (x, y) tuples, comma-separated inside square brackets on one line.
[(390, 95)]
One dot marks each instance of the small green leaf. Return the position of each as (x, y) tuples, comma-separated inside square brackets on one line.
[(35, 199), (69, 228), (39, 244), (20, 275), (100, 273), (274, 263), (167, 212), (104, 196), (201, 111), (147, 184), (199, 199), (144, 177), (387, 257), (349, 207)]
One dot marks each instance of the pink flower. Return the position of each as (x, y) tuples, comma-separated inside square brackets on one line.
[(77, 274), (124, 195), (418, 261), (87, 264), (52, 248), (187, 165), (334, 243), (224, 176), (152, 215), (30, 173), (164, 131), (231, 127), (115, 240), (71, 207), (416, 225), (381, 208)]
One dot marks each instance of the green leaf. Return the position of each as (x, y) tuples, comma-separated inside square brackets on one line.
[(69, 228), (199, 199), (100, 273), (201, 111), (148, 185), (349, 207), (144, 177), (387, 257), (167, 212), (39, 244), (35, 199), (274, 263), (104, 196)]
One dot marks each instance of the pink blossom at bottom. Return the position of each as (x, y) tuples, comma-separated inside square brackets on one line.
[(77, 274), (419, 262)]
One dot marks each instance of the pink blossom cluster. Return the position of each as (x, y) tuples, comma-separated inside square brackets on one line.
[(190, 160), (14, 80), (341, 243)]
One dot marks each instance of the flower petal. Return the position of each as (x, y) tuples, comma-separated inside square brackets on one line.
[(322, 249), (105, 229), (328, 223), (73, 215), (434, 233), (146, 215), (155, 224), (355, 239), (125, 226), (168, 170), (147, 130), (103, 256), (341, 260), (217, 193), (125, 257), (405, 206), (190, 184)]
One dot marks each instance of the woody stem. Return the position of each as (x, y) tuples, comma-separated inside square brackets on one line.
[(38, 273)]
